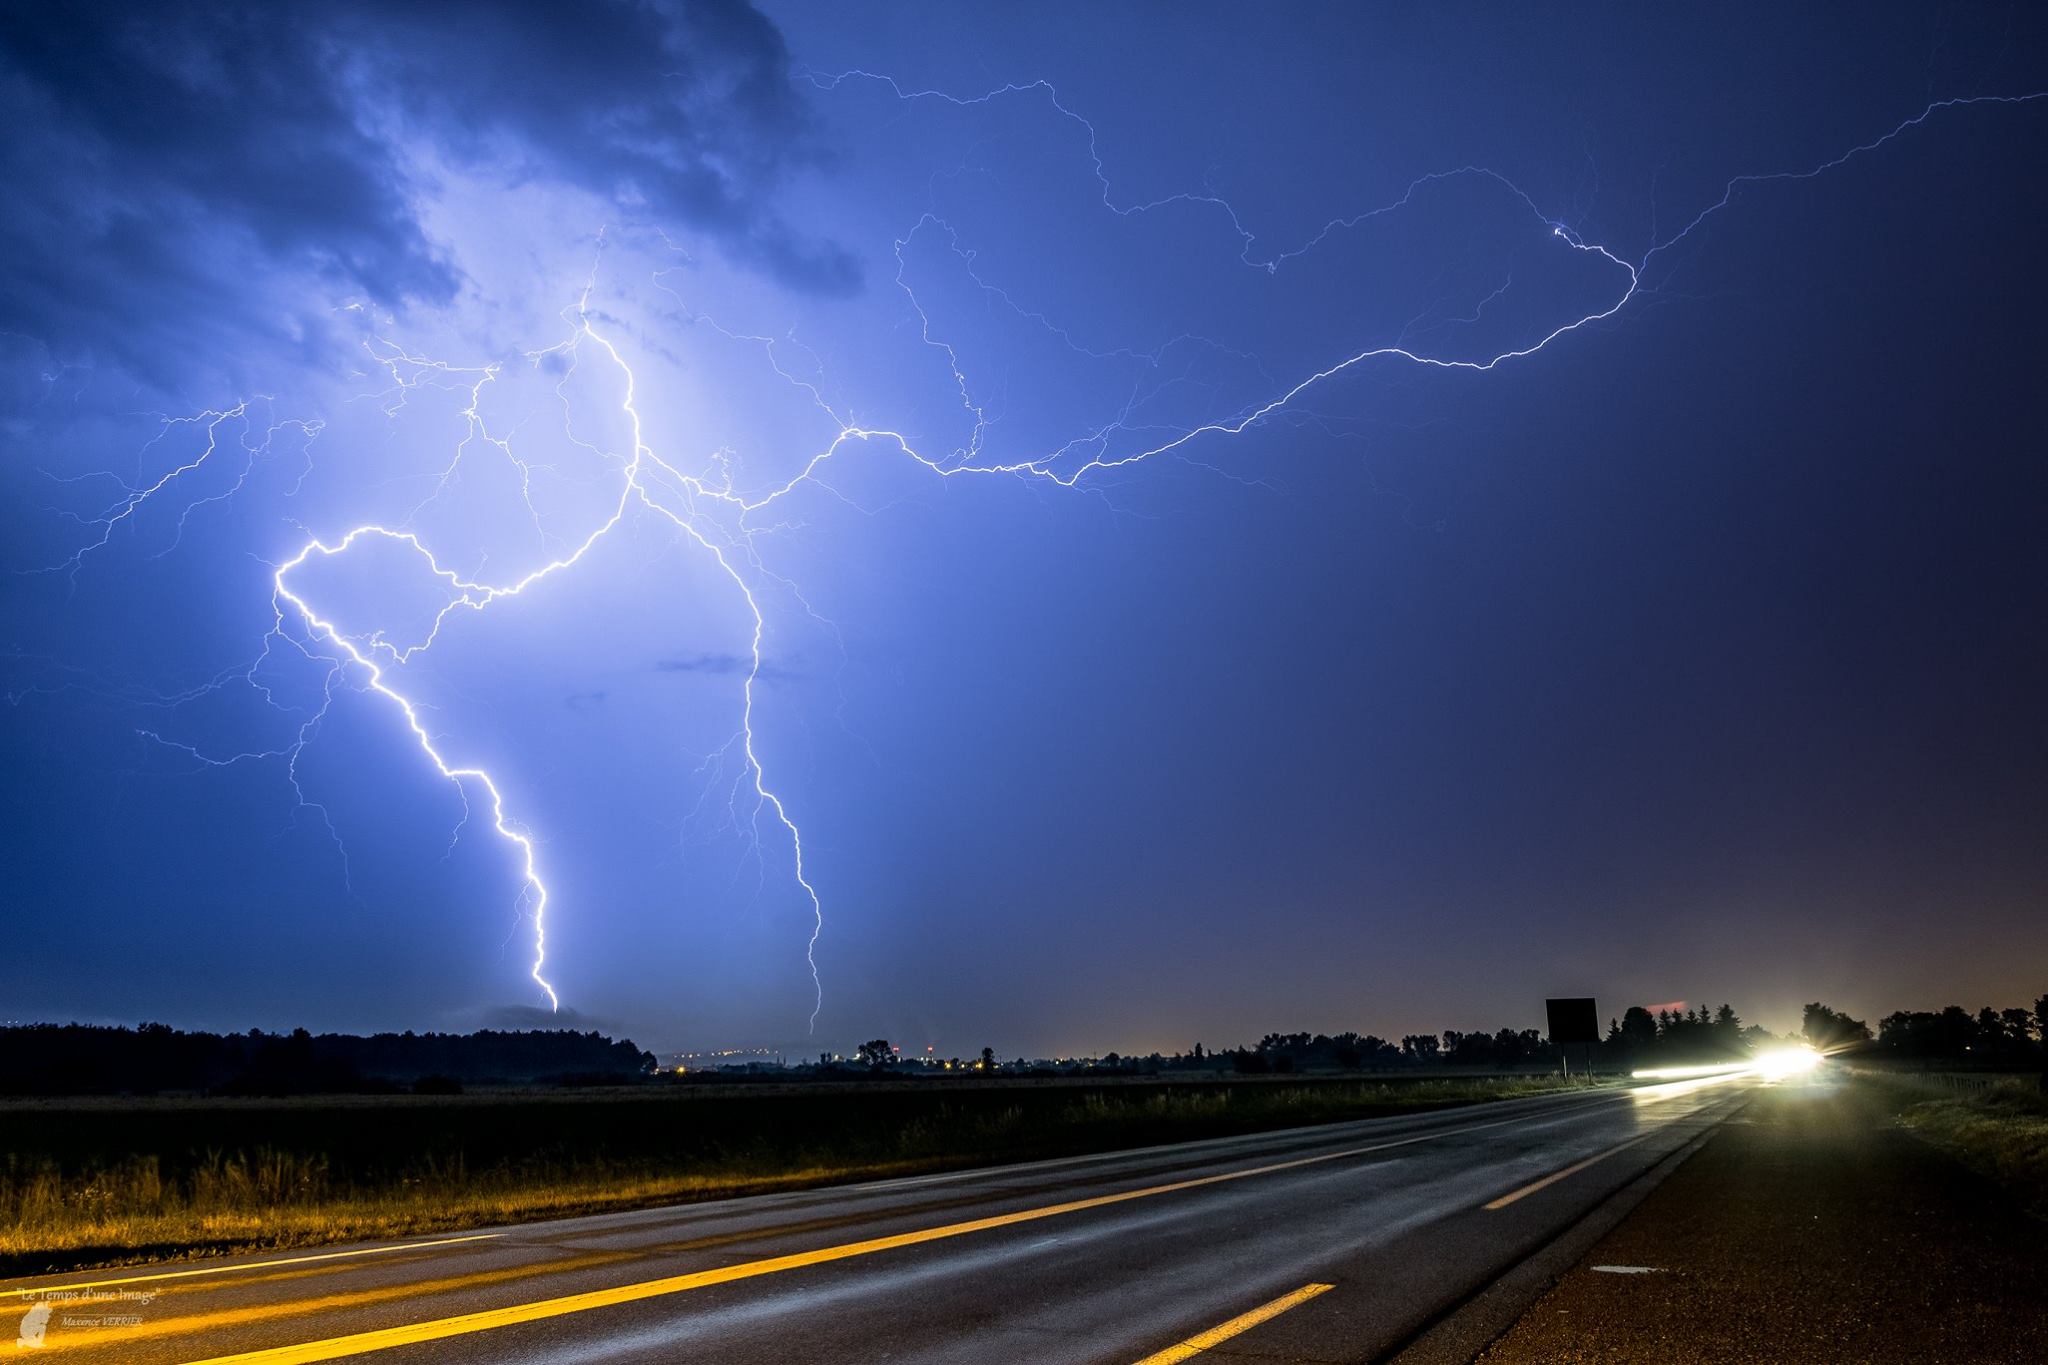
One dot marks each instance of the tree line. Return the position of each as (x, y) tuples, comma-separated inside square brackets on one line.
[(1638, 1038), (84, 1059), (2013, 1037)]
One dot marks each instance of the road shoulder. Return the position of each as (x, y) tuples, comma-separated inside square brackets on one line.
[(1807, 1228)]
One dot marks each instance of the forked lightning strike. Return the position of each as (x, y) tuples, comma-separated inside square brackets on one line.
[(375, 656)]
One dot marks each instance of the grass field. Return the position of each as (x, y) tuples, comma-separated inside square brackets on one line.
[(2000, 1131), (111, 1182)]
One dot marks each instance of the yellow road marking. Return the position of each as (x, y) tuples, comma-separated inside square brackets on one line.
[(440, 1329), (249, 1265), (125, 1334), (1243, 1322), (1547, 1181)]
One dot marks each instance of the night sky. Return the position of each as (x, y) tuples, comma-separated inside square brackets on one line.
[(1126, 694)]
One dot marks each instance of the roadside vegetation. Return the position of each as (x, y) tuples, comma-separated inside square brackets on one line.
[(95, 1183), (2000, 1131)]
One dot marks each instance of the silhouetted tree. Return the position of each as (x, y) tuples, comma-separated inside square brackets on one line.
[(2019, 1024), (1827, 1028), (1377, 1051), (1990, 1031), (1639, 1031), (1728, 1032), (988, 1059), (1420, 1047), (877, 1053)]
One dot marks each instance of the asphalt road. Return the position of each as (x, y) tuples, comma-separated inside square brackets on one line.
[(1813, 1229), (1333, 1243)]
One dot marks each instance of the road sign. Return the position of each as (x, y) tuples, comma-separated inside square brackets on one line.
[(1573, 1021)]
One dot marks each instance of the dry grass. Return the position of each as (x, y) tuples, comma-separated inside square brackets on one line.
[(273, 1199), (2000, 1132), (217, 1185)]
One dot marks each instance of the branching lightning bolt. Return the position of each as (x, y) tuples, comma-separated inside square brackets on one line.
[(374, 657)]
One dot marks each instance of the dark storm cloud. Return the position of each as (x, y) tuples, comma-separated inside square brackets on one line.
[(169, 160), (687, 108)]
